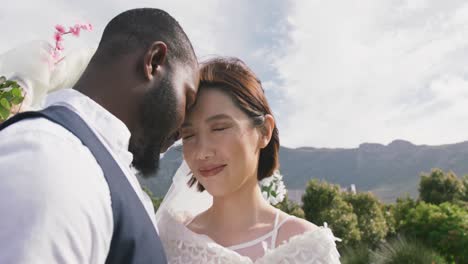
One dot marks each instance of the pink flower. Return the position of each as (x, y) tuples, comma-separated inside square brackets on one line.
[(75, 30), (58, 36), (88, 27), (55, 54), (59, 46), (60, 28)]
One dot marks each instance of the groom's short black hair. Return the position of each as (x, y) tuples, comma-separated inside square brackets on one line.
[(138, 28)]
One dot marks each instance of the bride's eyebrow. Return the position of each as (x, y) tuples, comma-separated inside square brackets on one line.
[(186, 125), (218, 117), (208, 120)]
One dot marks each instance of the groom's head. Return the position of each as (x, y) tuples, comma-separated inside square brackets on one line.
[(147, 58)]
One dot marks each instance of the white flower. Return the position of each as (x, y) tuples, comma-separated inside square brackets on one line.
[(266, 181), (273, 200), (273, 188)]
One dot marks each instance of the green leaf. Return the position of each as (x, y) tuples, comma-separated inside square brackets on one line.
[(16, 92), (8, 83), (4, 102), (9, 97), (4, 114), (17, 100), (15, 85)]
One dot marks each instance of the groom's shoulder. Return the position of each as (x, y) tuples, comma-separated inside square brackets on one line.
[(50, 188), (41, 128), (39, 146), (48, 163)]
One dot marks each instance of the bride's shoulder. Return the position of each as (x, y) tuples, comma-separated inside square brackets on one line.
[(292, 226), (299, 241), (197, 223)]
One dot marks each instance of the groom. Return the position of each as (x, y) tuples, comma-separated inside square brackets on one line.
[(67, 190)]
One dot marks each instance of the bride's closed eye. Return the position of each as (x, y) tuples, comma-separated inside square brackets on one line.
[(187, 137), (186, 134), (218, 128)]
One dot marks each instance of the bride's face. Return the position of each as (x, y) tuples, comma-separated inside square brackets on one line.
[(220, 143)]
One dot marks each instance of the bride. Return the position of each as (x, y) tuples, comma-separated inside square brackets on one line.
[(215, 211), (230, 143)]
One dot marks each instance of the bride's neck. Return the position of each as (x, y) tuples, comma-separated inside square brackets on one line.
[(241, 209)]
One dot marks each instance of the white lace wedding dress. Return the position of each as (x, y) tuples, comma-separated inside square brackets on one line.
[(183, 246)]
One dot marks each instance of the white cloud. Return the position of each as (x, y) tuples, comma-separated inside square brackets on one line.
[(375, 72), (337, 74), (230, 28), (36, 19)]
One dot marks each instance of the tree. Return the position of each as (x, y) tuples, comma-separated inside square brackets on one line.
[(291, 207), (371, 220), (401, 210), (323, 203), (443, 227), (343, 222), (439, 187), (388, 211), (462, 199), (156, 200), (318, 196), (464, 194)]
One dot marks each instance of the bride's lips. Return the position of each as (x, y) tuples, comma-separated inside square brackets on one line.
[(209, 171)]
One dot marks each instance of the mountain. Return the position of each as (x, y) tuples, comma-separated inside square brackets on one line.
[(389, 171)]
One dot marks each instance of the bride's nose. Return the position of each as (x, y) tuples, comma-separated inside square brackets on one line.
[(205, 148)]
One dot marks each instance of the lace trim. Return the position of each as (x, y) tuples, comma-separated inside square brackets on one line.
[(184, 246), (316, 246)]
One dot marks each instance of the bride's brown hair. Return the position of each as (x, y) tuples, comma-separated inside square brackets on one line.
[(232, 77)]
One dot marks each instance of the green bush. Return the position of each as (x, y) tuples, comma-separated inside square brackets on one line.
[(359, 254), (401, 209), (464, 194), (443, 227), (388, 211), (318, 196), (439, 187), (371, 221), (402, 251), (323, 202)]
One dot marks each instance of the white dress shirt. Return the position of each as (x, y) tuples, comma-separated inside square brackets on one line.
[(54, 200)]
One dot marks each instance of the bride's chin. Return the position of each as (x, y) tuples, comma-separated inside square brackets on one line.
[(213, 191)]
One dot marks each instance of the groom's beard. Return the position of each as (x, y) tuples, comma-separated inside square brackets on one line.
[(159, 118)]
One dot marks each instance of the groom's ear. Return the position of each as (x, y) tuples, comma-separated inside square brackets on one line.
[(154, 58)]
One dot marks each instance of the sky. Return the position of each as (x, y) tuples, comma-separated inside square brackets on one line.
[(336, 73)]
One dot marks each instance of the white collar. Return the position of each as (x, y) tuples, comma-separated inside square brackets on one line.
[(108, 127)]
